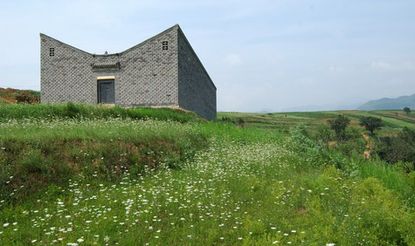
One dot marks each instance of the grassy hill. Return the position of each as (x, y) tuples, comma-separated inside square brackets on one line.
[(9, 95), (74, 179), (390, 103)]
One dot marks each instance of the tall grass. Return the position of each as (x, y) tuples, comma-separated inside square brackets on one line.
[(37, 154), (81, 111), (391, 177), (216, 184)]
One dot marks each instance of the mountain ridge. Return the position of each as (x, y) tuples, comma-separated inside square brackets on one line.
[(389, 103)]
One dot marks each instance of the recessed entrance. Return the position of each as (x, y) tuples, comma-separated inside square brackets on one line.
[(106, 91)]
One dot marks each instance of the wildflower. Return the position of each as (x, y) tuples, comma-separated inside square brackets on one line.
[(6, 224)]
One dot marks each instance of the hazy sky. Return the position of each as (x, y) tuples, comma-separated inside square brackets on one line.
[(262, 55)]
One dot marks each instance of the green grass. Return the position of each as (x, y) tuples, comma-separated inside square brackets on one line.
[(392, 178), (394, 120), (80, 111), (215, 184), (37, 154)]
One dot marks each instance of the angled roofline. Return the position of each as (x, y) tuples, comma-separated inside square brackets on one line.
[(149, 39), (176, 26), (73, 47), (194, 53), (118, 53)]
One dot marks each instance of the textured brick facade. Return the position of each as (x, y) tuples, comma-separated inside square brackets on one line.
[(196, 90), (144, 75)]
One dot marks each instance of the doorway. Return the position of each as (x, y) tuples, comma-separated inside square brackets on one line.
[(106, 91)]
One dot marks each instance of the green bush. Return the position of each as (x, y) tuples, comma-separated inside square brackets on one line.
[(338, 125), (371, 123), (27, 97), (400, 148)]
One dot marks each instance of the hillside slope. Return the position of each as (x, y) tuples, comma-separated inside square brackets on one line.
[(162, 182), (390, 103), (10, 95)]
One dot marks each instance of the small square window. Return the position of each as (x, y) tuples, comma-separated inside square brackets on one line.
[(165, 45), (51, 51)]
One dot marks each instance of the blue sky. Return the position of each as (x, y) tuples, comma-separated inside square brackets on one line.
[(262, 55)]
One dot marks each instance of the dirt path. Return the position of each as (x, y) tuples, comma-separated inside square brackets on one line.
[(369, 147)]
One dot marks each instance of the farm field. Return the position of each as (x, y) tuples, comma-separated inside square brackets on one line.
[(78, 175), (393, 118)]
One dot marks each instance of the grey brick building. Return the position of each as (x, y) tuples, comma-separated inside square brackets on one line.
[(161, 71)]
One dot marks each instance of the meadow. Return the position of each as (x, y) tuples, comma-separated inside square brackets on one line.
[(89, 176)]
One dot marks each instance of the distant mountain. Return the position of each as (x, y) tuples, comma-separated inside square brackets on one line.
[(390, 103)]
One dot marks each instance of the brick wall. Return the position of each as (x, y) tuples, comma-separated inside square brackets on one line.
[(145, 75), (196, 90)]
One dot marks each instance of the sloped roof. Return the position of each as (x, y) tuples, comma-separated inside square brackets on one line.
[(179, 32), (119, 53)]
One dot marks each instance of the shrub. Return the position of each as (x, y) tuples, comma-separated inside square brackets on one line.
[(400, 148), (353, 147), (407, 110), (26, 97), (371, 123), (339, 125)]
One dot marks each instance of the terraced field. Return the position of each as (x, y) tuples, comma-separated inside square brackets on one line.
[(284, 121)]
